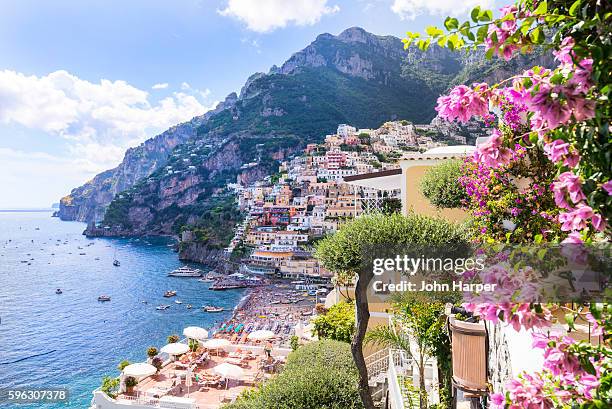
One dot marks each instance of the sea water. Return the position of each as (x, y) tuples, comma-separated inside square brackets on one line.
[(81, 338)]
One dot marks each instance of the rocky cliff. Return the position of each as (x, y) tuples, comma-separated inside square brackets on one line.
[(178, 178)]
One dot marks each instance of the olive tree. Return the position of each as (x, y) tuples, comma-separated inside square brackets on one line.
[(343, 253)]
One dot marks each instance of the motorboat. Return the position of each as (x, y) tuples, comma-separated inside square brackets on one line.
[(189, 306), (178, 302), (58, 291), (116, 263), (104, 298), (169, 294), (185, 272), (162, 307), (210, 308)]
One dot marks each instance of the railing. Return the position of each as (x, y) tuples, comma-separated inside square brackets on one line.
[(399, 377), (377, 363)]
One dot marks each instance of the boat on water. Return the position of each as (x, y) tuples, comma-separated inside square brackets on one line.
[(169, 293), (188, 306), (104, 298), (185, 272), (211, 308), (162, 307), (116, 263), (58, 291), (178, 302)]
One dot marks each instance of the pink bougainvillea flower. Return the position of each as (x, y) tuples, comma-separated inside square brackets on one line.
[(556, 150), (564, 54), (567, 184), (492, 153), (463, 103), (573, 238), (608, 187), (577, 219)]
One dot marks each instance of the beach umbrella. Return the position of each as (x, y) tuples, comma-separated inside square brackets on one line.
[(216, 343), (261, 335), (195, 333), (228, 371), (139, 370), (175, 348)]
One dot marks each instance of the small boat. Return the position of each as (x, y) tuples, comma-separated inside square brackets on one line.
[(58, 291), (104, 298), (275, 302), (210, 308), (178, 302), (169, 294), (189, 306), (116, 263), (185, 272), (162, 307), (206, 280)]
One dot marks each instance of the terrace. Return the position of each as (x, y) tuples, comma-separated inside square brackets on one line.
[(204, 379)]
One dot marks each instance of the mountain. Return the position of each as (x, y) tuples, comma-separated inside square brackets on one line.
[(178, 177)]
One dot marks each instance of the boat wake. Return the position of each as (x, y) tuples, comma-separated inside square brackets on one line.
[(27, 357)]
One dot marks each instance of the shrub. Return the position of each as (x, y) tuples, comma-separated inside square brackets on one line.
[(123, 364), (440, 184), (152, 352), (193, 345), (337, 323), (173, 338), (110, 386), (295, 342), (318, 375)]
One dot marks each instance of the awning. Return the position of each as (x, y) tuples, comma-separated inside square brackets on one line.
[(383, 180)]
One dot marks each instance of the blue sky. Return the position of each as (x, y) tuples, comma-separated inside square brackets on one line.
[(80, 81)]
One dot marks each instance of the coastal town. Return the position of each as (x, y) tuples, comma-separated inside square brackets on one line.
[(308, 198)]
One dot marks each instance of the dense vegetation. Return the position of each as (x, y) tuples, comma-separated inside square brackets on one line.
[(440, 184), (337, 323), (319, 375)]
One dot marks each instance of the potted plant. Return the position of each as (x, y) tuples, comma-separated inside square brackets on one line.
[(152, 353), (130, 383), (193, 345), (173, 339), (157, 362)]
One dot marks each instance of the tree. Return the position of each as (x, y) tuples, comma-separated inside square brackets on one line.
[(318, 375), (337, 323), (343, 253)]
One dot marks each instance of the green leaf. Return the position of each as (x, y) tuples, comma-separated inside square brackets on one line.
[(541, 9), (569, 318), (451, 23), (573, 8), (475, 13), (433, 31), (482, 33), (486, 15), (537, 35)]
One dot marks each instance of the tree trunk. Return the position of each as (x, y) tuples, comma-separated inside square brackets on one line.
[(363, 316), (422, 390)]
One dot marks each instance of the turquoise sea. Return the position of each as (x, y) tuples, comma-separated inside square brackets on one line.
[(85, 339)]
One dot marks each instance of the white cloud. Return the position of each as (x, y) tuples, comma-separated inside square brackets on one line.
[(99, 121), (410, 9), (268, 15), (162, 85)]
